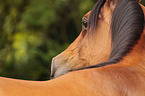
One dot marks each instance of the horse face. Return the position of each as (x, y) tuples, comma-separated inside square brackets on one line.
[(90, 47)]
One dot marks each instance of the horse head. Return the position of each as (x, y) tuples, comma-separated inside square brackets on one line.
[(103, 37)]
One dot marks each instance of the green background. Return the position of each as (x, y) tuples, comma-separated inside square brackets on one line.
[(32, 32)]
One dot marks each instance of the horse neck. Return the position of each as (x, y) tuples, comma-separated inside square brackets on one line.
[(136, 57)]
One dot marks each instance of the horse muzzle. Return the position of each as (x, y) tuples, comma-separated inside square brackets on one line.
[(57, 69)]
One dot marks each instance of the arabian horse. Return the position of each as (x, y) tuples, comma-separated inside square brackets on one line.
[(106, 59)]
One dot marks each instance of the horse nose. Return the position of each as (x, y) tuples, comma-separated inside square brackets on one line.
[(58, 67), (52, 68)]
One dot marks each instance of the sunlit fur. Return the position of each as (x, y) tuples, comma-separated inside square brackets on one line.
[(126, 78)]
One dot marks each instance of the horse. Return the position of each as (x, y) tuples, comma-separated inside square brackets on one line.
[(106, 59)]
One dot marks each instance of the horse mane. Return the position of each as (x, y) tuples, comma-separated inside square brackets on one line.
[(93, 18), (126, 28)]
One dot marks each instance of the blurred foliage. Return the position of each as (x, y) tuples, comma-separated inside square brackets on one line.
[(32, 32)]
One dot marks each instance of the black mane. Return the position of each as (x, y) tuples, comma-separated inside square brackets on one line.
[(126, 28), (95, 13)]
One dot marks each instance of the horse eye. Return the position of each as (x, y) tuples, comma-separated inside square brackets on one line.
[(85, 24)]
